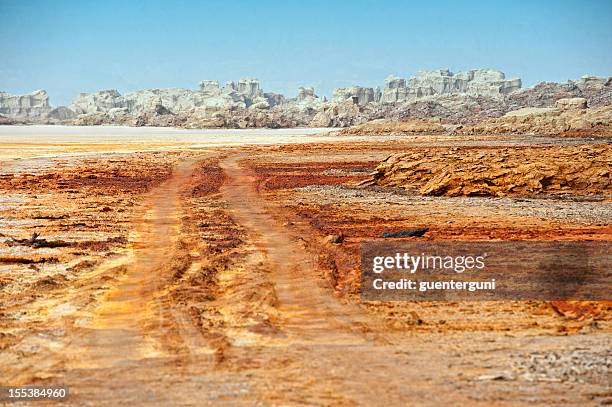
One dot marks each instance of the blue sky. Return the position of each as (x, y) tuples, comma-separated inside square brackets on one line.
[(67, 47)]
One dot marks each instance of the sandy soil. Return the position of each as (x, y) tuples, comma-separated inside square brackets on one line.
[(197, 271)]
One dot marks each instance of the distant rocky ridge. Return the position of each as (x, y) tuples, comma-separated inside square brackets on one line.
[(569, 117), (475, 82), (32, 105), (464, 97), (246, 93)]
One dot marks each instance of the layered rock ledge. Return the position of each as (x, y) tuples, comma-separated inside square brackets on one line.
[(528, 171)]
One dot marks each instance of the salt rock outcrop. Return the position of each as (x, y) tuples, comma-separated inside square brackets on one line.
[(219, 108), (4, 120), (355, 94), (528, 171), (209, 87), (465, 98), (29, 106), (60, 114), (249, 87), (305, 93), (306, 99), (475, 82), (274, 99), (464, 108), (342, 114), (210, 95), (101, 101), (395, 90)]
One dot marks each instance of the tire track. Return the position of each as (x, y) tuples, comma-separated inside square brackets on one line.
[(308, 312), (131, 323)]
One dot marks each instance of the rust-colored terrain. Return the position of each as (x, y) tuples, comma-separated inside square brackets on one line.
[(518, 171), (230, 275)]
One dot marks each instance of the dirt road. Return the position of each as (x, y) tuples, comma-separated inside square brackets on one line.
[(216, 300), (304, 346), (329, 348), (307, 312)]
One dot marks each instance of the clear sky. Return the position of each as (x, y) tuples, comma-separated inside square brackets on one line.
[(67, 47)]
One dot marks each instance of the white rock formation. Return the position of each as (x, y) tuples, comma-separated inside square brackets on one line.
[(210, 97), (305, 93), (60, 113), (31, 105), (463, 97), (173, 100), (357, 94), (101, 101), (247, 93), (377, 94), (274, 99), (395, 90), (475, 82), (305, 101), (209, 86), (249, 87)]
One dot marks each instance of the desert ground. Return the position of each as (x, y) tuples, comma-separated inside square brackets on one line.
[(217, 267)]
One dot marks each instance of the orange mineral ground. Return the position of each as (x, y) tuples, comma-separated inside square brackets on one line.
[(222, 267)]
